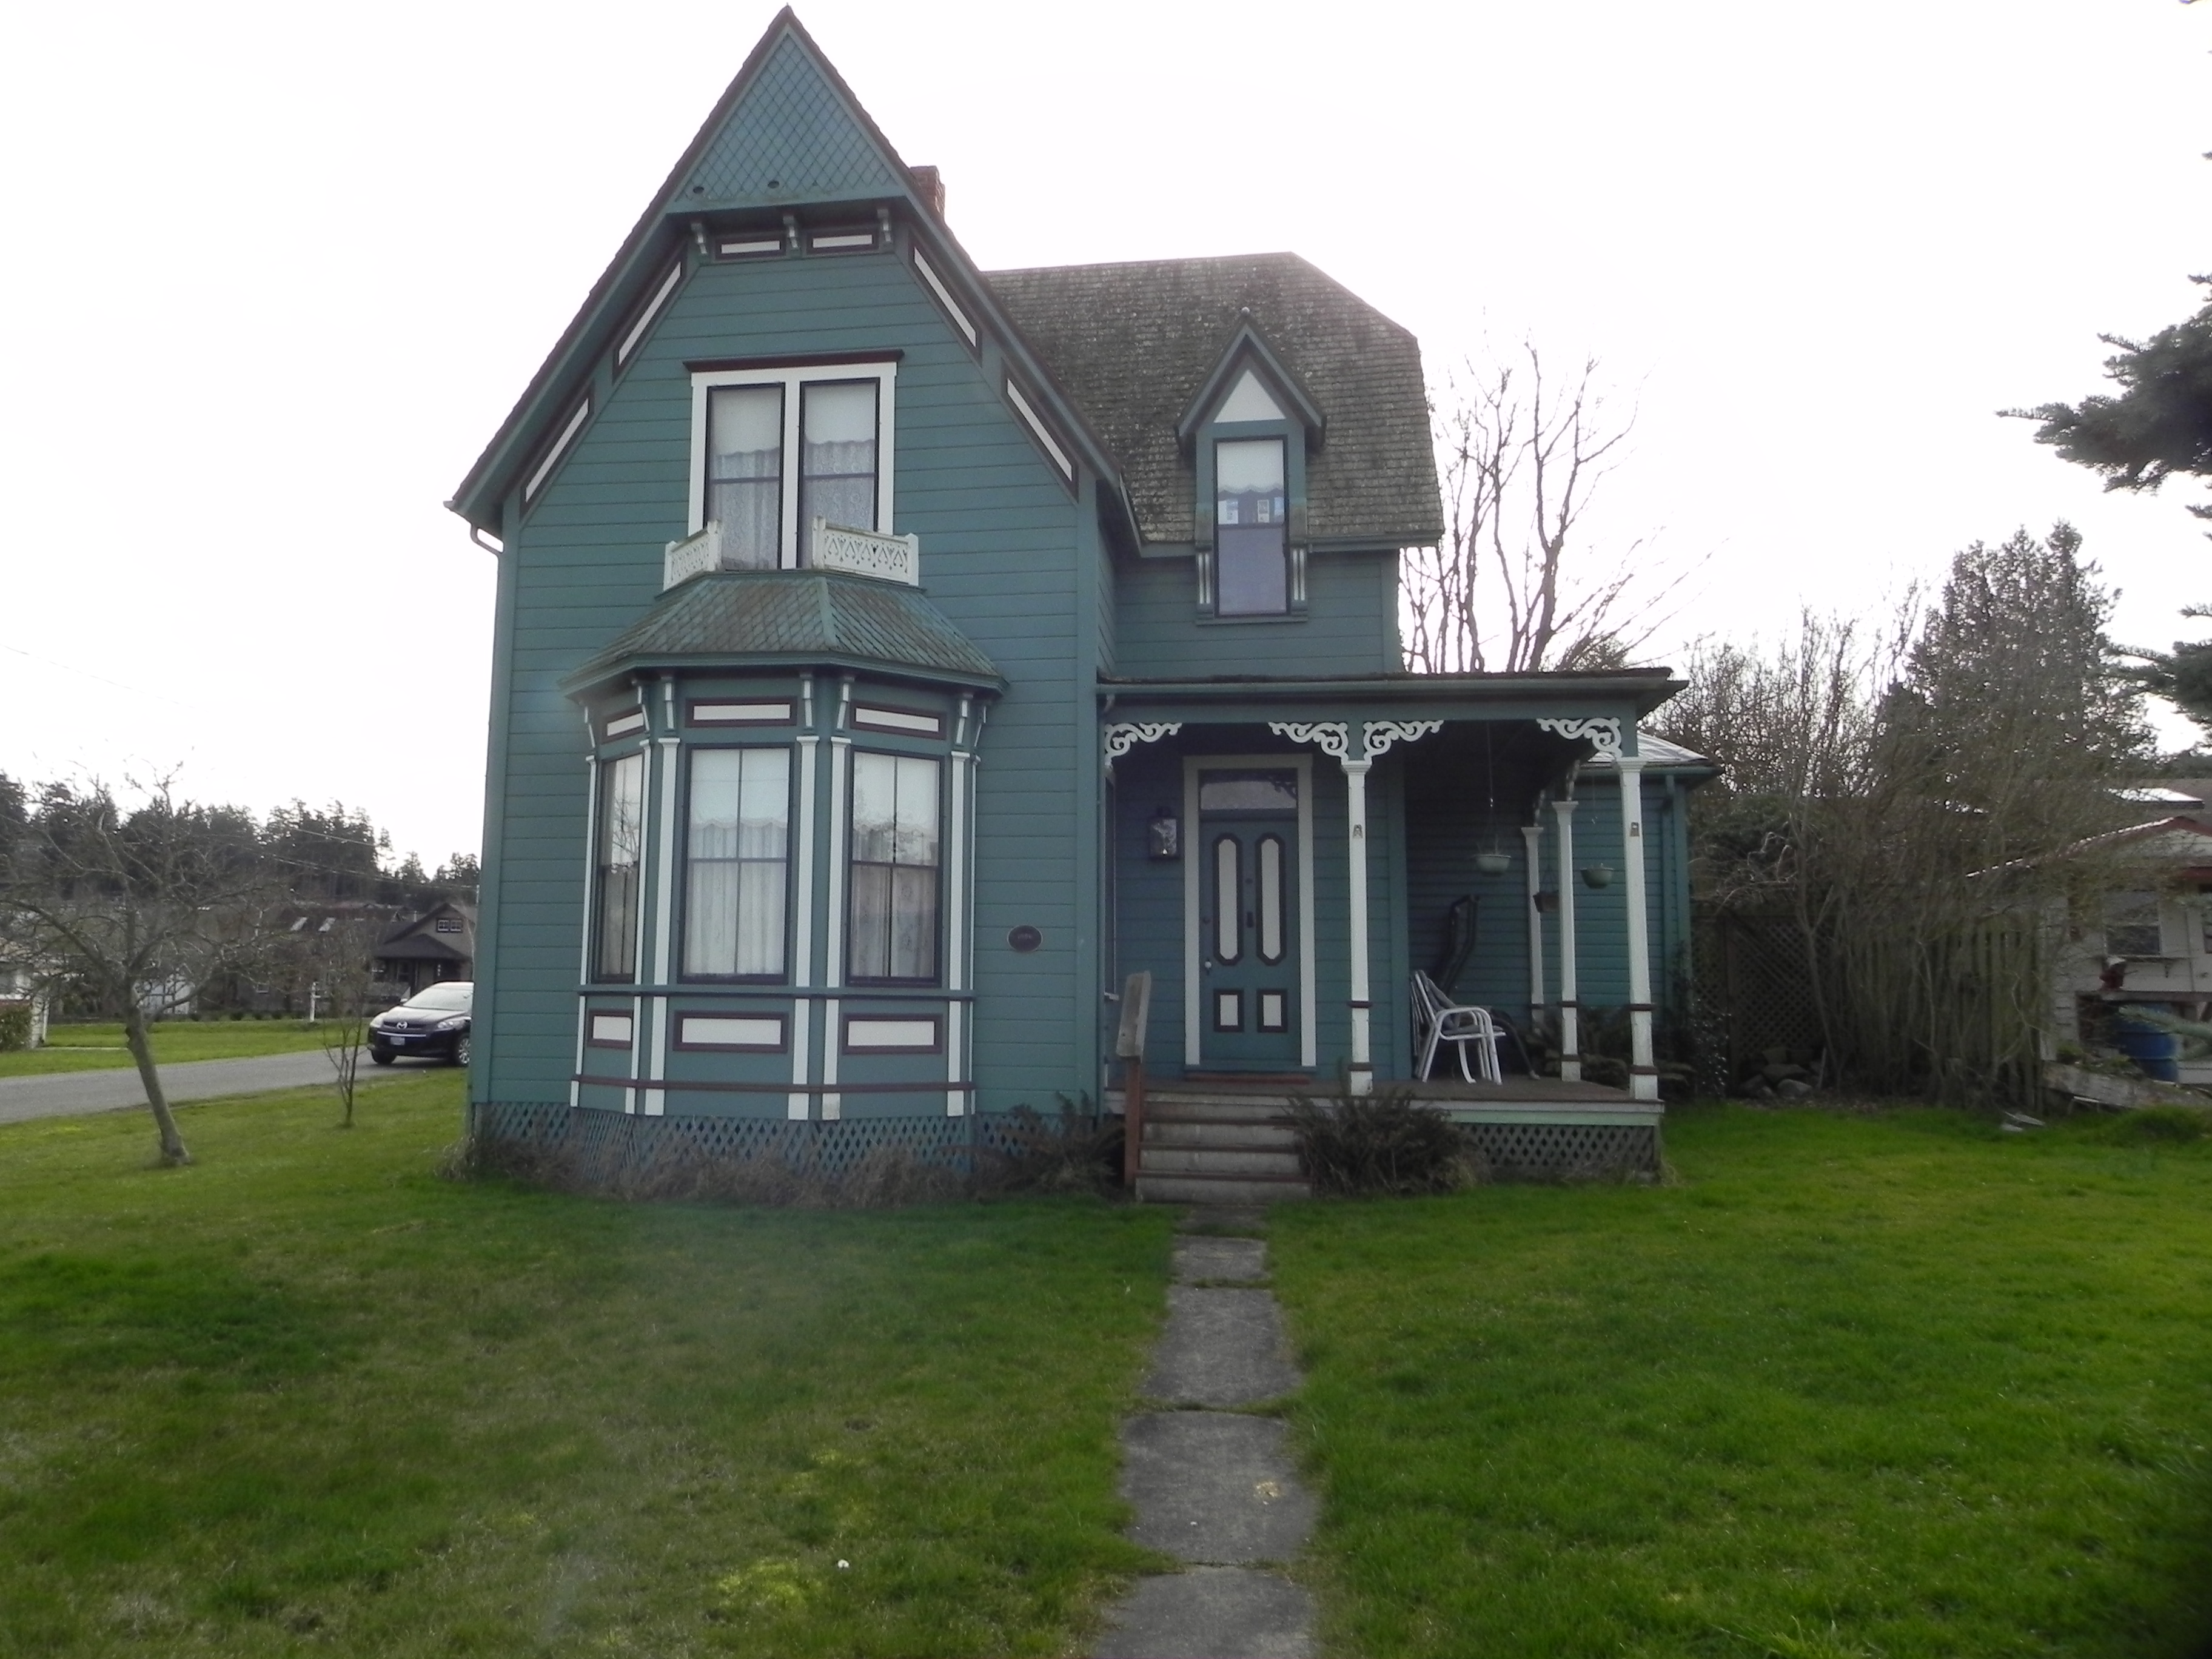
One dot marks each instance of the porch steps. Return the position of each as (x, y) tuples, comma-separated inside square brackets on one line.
[(1215, 1146)]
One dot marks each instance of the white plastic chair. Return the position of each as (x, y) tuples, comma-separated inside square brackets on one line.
[(1438, 1020)]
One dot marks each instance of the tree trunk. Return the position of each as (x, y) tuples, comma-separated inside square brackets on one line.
[(142, 1050)]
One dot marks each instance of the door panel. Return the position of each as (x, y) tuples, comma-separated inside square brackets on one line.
[(1247, 929)]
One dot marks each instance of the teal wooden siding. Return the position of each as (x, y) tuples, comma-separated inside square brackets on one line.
[(1004, 548), (1351, 626)]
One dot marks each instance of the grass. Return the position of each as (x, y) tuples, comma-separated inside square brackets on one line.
[(94, 1047), (1890, 1385), (305, 1396)]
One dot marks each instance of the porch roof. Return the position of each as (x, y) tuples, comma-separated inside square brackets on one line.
[(1626, 693)]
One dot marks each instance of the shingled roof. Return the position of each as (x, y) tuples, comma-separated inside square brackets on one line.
[(1132, 344), (794, 616)]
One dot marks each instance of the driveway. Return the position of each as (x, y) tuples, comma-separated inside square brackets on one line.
[(74, 1094)]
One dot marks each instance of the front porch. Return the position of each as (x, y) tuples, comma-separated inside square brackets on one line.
[(1503, 835)]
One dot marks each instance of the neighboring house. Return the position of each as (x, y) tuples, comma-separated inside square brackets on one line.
[(2152, 943), (891, 656), (19, 988), (420, 951)]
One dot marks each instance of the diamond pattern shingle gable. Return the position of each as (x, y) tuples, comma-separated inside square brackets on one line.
[(1134, 343), (794, 615), (791, 139)]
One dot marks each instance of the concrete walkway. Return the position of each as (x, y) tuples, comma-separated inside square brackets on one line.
[(76, 1094), (1215, 1488)]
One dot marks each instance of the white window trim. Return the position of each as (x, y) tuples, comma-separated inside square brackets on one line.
[(886, 374)]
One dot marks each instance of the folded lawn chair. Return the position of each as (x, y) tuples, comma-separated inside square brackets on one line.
[(1437, 1020)]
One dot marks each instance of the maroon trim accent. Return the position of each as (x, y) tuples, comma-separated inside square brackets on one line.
[(691, 716), (806, 360), (606, 720), (935, 1086), (1642, 1008), (591, 1039), (813, 234), (861, 721), (1643, 1071), (936, 1045), (1260, 1010), (1358, 1005), (781, 1046), (1217, 996)]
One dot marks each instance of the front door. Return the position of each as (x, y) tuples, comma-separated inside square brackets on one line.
[(1247, 919)]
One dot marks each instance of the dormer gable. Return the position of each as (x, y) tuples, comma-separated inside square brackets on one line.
[(1250, 382)]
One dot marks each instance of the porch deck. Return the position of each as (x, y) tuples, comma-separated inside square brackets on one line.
[(1516, 1100)]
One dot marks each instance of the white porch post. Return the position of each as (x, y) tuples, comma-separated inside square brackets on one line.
[(1361, 1068), (1570, 1031), (1643, 1076), (1532, 843), (1357, 755)]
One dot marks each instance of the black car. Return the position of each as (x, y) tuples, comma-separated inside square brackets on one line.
[(433, 1022)]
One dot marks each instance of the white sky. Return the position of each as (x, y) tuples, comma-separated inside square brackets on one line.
[(275, 272)]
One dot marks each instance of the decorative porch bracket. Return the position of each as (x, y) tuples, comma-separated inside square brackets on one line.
[(1335, 739), (1126, 735), (1603, 731)]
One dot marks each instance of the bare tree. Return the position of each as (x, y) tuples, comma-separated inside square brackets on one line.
[(139, 907), (343, 977), (1511, 589)]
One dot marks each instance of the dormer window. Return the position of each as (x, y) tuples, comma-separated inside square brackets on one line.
[(1251, 517), (753, 423)]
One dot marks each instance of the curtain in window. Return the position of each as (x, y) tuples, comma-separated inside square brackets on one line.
[(736, 841), (1250, 509), (745, 473), (620, 838), (894, 868), (837, 453)]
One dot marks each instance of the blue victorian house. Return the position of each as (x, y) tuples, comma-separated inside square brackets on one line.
[(893, 657)]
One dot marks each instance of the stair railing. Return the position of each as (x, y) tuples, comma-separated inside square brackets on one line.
[(1129, 1049)]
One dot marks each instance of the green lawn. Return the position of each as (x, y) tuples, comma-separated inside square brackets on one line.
[(305, 1397), (1892, 1385), (97, 1048)]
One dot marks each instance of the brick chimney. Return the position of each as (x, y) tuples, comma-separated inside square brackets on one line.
[(930, 184)]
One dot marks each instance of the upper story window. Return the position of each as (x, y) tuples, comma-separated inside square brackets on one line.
[(2132, 926), (1251, 536), (895, 861), (776, 448)]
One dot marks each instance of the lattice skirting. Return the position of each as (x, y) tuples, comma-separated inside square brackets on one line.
[(1567, 1152), (612, 1145)]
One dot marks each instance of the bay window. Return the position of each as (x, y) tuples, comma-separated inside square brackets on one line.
[(736, 851), (620, 843), (893, 925)]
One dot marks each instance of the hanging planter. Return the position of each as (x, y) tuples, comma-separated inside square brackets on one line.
[(1493, 863), (1598, 875)]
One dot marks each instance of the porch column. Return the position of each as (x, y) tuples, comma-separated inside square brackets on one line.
[(1532, 843), (1361, 1069), (1570, 1031), (1643, 1075)]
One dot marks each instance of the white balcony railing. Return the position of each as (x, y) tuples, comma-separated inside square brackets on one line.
[(828, 547)]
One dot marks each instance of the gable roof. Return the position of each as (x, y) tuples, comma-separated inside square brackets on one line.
[(1132, 344), (728, 164), (801, 617)]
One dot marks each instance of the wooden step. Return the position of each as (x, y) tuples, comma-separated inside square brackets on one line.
[(1220, 1189), (1190, 1132), (1216, 1108), (1218, 1160)]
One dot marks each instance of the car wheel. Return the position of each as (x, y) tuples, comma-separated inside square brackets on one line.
[(461, 1049), (377, 1058)]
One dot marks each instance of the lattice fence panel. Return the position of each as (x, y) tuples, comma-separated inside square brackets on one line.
[(1754, 991), (1564, 1152)]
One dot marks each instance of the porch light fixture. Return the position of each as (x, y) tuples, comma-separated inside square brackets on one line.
[(1598, 875), (1163, 837)]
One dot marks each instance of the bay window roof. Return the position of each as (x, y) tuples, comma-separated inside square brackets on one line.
[(794, 618)]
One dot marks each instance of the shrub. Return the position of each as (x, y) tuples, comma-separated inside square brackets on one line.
[(14, 1026), (1079, 1153), (1381, 1143), (2159, 1126)]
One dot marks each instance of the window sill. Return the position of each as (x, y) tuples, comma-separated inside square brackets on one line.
[(1271, 619)]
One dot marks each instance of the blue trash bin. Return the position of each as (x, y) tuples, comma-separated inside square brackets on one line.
[(2157, 1053)]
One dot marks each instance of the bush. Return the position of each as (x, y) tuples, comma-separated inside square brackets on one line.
[(2159, 1126), (1381, 1143), (1080, 1153), (14, 1026)]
